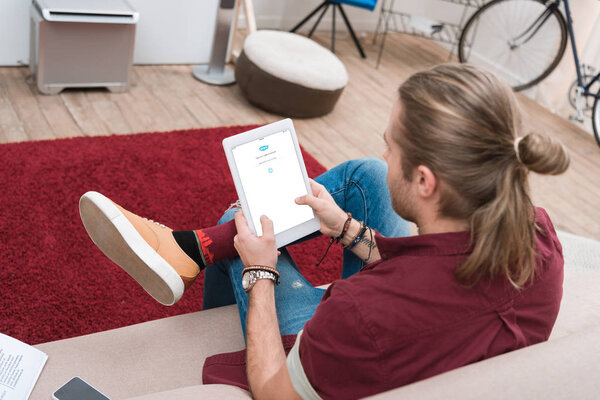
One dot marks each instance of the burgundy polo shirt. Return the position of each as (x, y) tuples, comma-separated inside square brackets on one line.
[(405, 317)]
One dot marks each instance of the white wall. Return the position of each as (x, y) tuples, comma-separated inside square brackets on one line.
[(174, 31), (284, 14), (169, 31), (180, 31), (14, 31)]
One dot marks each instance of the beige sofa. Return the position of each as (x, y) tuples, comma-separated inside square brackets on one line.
[(163, 359)]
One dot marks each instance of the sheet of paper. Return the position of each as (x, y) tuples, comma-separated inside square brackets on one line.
[(20, 367)]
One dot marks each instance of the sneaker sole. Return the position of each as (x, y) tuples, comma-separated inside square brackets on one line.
[(116, 237)]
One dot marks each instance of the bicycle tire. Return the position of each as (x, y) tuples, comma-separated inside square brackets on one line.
[(495, 5), (596, 118)]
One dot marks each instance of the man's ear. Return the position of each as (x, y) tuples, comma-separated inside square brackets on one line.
[(427, 182)]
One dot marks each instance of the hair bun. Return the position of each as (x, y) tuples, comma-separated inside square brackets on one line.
[(542, 154)]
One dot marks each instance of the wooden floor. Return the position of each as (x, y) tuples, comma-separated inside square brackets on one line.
[(168, 97)]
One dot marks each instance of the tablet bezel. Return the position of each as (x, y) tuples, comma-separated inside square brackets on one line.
[(299, 231)]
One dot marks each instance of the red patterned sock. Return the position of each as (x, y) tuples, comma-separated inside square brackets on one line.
[(216, 242)]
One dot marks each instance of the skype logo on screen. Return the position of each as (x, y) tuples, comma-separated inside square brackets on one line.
[(263, 148)]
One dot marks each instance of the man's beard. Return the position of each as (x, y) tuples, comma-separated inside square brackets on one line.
[(403, 201)]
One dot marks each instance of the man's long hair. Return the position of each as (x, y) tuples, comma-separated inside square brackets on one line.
[(463, 124)]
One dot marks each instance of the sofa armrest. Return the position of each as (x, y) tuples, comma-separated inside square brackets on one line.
[(199, 392), (145, 358), (579, 306), (565, 368)]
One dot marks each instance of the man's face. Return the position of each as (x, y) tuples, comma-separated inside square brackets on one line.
[(402, 191)]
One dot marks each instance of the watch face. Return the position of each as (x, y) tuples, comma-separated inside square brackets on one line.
[(246, 281)]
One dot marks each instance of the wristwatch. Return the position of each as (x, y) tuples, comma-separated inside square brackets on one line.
[(250, 277)]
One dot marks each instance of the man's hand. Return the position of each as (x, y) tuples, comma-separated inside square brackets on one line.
[(331, 215), (332, 222), (268, 375), (254, 249)]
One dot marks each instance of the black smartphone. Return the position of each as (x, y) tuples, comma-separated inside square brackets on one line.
[(78, 389)]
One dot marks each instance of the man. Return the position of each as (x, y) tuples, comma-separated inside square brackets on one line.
[(483, 277)]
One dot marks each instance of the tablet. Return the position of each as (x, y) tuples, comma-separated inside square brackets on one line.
[(269, 173)]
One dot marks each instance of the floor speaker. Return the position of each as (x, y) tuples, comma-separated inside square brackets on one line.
[(217, 72)]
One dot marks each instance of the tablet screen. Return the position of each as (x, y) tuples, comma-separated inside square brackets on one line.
[(270, 174)]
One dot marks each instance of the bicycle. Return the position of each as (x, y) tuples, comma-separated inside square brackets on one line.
[(523, 41)]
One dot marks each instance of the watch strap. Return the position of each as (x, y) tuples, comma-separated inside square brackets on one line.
[(258, 274), (257, 267)]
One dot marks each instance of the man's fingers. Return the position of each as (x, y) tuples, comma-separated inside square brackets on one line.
[(267, 225), (241, 224)]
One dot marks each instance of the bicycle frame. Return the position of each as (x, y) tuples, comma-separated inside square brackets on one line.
[(551, 6), (524, 41), (583, 88)]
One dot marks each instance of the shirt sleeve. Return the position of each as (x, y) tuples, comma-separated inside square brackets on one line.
[(297, 376), (338, 350)]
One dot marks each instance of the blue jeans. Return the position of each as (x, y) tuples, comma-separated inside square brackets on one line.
[(358, 187)]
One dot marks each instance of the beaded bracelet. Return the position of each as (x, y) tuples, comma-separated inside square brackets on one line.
[(344, 229)]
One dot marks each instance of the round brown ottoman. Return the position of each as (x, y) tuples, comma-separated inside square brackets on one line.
[(289, 74)]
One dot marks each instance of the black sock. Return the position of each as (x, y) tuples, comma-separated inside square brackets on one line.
[(189, 244)]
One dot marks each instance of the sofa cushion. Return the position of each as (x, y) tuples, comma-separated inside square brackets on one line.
[(581, 254)]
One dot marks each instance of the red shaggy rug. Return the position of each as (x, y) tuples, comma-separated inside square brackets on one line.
[(54, 283)]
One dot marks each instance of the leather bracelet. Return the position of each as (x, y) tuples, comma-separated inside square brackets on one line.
[(358, 237), (254, 267), (337, 239), (354, 238), (258, 266)]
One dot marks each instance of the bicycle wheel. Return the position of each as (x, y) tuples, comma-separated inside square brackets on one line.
[(596, 119), (496, 37)]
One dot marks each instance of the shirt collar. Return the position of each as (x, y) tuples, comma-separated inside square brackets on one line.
[(435, 244)]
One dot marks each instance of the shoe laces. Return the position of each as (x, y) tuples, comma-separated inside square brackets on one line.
[(237, 204), (154, 222)]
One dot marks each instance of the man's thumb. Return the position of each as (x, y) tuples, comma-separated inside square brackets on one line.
[(307, 199), (267, 224)]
